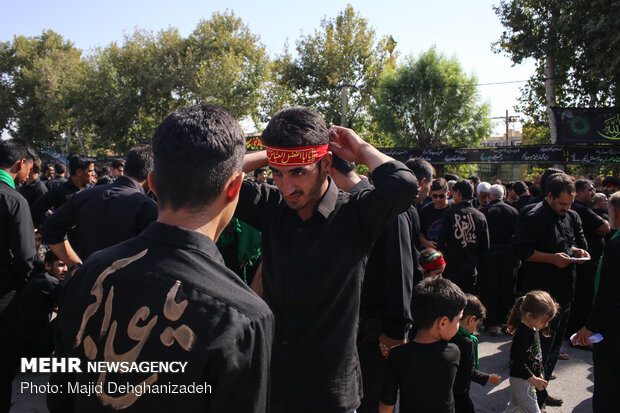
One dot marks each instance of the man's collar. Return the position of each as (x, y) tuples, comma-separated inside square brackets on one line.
[(129, 182), (328, 203), (7, 178)]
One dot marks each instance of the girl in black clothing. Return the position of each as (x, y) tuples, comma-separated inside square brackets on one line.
[(530, 314)]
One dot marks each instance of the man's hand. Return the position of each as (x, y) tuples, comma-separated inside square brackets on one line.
[(583, 337), (427, 243), (561, 260), (538, 382), (579, 253), (386, 343), (347, 145), (495, 379)]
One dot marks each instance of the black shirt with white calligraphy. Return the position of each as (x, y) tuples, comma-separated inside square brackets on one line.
[(164, 296)]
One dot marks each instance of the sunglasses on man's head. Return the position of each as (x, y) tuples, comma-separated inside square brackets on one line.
[(438, 196)]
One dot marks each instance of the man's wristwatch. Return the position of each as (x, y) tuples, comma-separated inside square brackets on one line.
[(75, 267)]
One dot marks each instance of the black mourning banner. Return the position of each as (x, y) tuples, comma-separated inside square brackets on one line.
[(512, 154), (584, 125)]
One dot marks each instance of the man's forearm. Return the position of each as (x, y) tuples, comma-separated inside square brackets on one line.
[(538, 256), (372, 157), (65, 253), (254, 160)]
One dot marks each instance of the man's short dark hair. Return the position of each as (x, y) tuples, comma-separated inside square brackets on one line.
[(78, 162), (342, 166), (451, 177), (50, 257), (139, 162), (196, 151), (439, 184), (12, 150), (117, 163), (60, 168), (611, 180), (474, 179), (259, 171), (558, 184), (546, 175), (582, 184), (294, 127), (434, 298), (519, 188), (465, 188), (421, 168), (36, 166)]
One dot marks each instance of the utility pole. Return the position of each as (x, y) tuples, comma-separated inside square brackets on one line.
[(508, 120)]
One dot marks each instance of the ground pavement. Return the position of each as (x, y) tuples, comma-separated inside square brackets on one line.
[(573, 383)]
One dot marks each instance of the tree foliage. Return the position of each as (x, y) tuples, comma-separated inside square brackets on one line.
[(579, 37), (344, 51), (430, 101)]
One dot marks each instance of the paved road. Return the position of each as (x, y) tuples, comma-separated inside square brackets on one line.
[(574, 382)]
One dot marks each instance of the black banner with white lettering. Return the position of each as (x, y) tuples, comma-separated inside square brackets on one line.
[(549, 154), (587, 125)]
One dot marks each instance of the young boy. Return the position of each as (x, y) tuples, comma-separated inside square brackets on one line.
[(473, 314), (424, 368)]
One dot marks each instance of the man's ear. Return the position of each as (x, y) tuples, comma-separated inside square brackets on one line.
[(234, 186), (327, 162), (442, 322), (17, 166), (151, 180)]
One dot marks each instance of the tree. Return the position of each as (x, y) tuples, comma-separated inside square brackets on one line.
[(40, 77), (344, 52), (430, 101), (228, 65), (574, 43)]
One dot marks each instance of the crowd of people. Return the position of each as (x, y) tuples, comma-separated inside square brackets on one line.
[(361, 292)]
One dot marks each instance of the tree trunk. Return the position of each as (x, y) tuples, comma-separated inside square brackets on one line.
[(550, 96)]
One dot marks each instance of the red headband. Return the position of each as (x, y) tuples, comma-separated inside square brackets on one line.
[(433, 265), (300, 156)]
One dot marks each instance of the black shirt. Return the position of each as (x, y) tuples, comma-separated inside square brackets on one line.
[(464, 238), (53, 199), (525, 354), (545, 231), (312, 276), (165, 295), (17, 247), (103, 216), (33, 191), (388, 280), (502, 221), (430, 221), (467, 371), (38, 300), (521, 202), (591, 221), (424, 373), (605, 314), (54, 182)]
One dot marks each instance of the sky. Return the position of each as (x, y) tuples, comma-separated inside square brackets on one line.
[(465, 29)]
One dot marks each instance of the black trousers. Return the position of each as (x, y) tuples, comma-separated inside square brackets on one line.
[(373, 366), (463, 404), (550, 346), (606, 372), (496, 282), (584, 295), (466, 280), (11, 321)]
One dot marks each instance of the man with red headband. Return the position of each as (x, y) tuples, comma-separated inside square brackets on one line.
[(315, 241)]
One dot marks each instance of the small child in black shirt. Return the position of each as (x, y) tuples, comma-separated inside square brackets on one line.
[(424, 368), (530, 314), (467, 342)]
